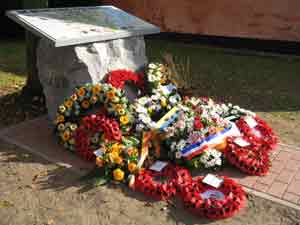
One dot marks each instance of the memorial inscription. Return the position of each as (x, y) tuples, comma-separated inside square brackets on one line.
[(72, 26)]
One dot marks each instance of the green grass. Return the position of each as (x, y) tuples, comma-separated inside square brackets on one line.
[(257, 82), (12, 65)]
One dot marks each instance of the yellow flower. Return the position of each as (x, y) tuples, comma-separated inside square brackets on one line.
[(163, 80), (116, 148), (99, 162), (69, 103), (81, 92), (132, 167), (96, 89), (110, 94), (118, 160), (124, 120), (163, 102), (85, 104), (59, 119), (113, 156), (118, 174), (150, 110), (93, 99), (74, 97), (66, 135), (117, 107), (121, 111)]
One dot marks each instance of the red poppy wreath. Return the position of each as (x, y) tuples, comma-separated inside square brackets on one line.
[(175, 178), (260, 131), (95, 129), (118, 78), (213, 203), (252, 159)]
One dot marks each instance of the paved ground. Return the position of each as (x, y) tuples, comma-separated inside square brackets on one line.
[(283, 180), (36, 192)]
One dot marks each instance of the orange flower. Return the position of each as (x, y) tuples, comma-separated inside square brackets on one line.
[(69, 103), (118, 160), (96, 89), (85, 104), (110, 94), (99, 162), (132, 167), (59, 119), (66, 135), (81, 91), (117, 107)]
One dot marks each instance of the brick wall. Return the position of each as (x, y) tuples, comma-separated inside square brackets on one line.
[(263, 19)]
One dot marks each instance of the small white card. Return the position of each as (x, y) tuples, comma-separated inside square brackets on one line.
[(241, 142), (213, 194), (213, 180), (158, 166), (250, 121), (99, 153)]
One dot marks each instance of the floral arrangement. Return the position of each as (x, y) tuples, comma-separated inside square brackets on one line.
[(174, 178), (118, 78), (100, 124), (259, 131), (190, 134), (103, 97), (93, 132), (214, 203), (118, 159), (251, 158), (210, 159)]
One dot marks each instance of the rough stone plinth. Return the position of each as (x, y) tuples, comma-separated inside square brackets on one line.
[(62, 69)]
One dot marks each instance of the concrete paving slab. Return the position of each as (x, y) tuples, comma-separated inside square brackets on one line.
[(36, 136)]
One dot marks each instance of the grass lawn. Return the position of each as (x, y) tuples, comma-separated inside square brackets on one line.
[(268, 85)]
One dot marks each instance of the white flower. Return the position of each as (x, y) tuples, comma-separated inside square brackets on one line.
[(152, 78), (152, 66), (156, 97), (141, 109), (143, 100)]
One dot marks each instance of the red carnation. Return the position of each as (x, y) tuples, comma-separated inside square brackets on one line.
[(198, 125), (118, 78), (89, 126)]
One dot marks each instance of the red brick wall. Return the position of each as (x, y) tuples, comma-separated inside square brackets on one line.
[(264, 19)]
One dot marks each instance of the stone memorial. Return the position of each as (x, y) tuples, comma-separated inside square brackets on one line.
[(82, 44)]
